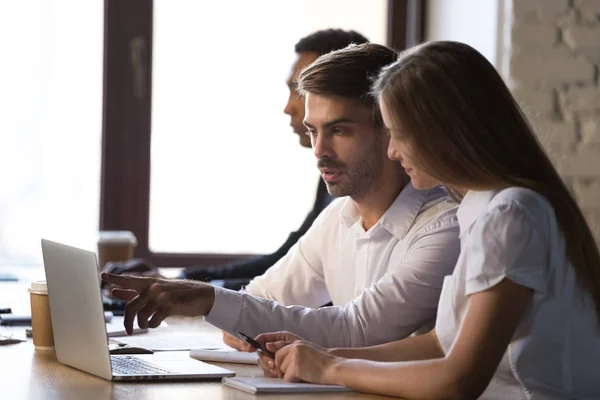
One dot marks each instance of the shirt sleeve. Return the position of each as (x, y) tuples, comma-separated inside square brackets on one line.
[(507, 242), (401, 302), (297, 278)]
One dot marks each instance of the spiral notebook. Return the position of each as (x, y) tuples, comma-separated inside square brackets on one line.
[(273, 385)]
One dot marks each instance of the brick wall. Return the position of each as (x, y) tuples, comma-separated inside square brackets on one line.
[(554, 72)]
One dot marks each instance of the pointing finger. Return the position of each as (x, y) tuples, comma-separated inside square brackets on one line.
[(137, 283)]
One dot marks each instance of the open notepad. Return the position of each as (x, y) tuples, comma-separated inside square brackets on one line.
[(273, 385)]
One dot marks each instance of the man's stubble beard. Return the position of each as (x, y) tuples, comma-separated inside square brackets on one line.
[(363, 177)]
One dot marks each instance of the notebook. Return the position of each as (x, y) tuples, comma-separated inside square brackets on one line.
[(225, 355), (274, 385)]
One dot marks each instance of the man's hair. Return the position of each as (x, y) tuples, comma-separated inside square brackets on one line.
[(348, 72), (325, 41)]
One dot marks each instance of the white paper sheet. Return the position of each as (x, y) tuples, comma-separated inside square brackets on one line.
[(174, 341)]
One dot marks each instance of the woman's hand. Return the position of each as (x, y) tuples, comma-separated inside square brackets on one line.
[(273, 342), (236, 343), (302, 361)]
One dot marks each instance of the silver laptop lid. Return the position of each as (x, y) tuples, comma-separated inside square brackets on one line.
[(76, 308)]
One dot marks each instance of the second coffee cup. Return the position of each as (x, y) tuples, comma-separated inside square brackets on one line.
[(115, 246)]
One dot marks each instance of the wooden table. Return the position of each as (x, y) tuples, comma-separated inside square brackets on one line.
[(30, 374)]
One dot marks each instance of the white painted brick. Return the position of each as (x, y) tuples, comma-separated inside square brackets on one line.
[(589, 9), (588, 193), (541, 69), (592, 215), (584, 39), (591, 54), (548, 10), (523, 8), (585, 164), (581, 36), (525, 35), (535, 104), (570, 18), (552, 7), (590, 130), (584, 100), (557, 137)]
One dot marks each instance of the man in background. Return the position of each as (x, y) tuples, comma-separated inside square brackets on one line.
[(237, 274)]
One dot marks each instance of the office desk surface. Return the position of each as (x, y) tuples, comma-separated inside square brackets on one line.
[(29, 374)]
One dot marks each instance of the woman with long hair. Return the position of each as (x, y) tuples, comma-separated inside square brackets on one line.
[(520, 316)]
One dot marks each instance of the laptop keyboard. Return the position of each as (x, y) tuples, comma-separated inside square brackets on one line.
[(130, 365)]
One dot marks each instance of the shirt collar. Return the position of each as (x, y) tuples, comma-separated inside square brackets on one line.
[(472, 206), (349, 214), (399, 217)]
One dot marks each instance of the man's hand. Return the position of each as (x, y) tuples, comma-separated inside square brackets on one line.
[(135, 266), (273, 342), (154, 299), (236, 343)]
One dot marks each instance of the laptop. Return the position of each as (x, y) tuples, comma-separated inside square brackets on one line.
[(80, 337)]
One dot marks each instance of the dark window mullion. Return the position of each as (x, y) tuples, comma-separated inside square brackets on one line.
[(125, 184), (406, 23)]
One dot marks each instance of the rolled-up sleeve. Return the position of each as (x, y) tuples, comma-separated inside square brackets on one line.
[(401, 302)]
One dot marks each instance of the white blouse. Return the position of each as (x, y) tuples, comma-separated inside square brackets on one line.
[(555, 351)]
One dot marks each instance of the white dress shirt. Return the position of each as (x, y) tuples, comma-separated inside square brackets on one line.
[(555, 352), (385, 282)]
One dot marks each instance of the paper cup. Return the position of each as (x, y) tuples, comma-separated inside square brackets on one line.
[(115, 246), (41, 324)]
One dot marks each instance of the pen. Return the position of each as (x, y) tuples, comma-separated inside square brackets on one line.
[(256, 345)]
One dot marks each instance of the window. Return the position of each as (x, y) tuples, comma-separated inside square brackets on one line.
[(469, 21), (227, 173), (50, 130), (218, 131)]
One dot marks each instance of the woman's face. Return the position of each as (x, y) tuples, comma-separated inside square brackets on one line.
[(401, 150)]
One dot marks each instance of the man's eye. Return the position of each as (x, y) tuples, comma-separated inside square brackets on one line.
[(311, 132), (337, 130)]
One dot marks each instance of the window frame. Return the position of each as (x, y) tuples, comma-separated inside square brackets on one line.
[(126, 116)]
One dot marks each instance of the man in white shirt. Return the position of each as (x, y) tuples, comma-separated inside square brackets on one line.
[(379, 253)]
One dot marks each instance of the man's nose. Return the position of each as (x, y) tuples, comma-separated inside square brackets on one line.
[(321, 146)]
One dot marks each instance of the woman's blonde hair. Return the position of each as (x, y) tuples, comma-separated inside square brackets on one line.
[(469, 131)]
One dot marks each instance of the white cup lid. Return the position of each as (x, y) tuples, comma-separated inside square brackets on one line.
[(38, 287), (117, 237)]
